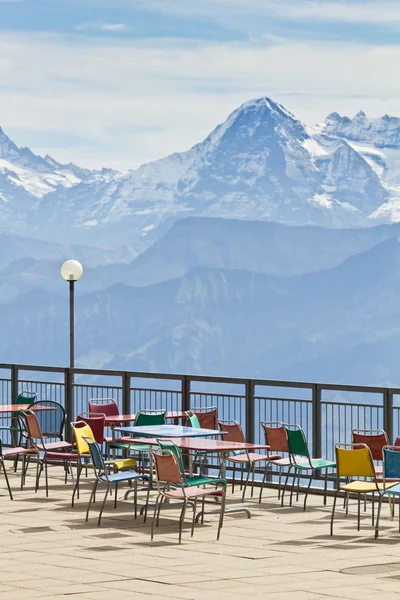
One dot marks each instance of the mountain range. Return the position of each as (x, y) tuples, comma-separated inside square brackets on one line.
[(261, 163), (268, 250)]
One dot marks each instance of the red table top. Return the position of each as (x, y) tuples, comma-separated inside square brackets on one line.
[(10, 408), (205, 445), (117, 419)]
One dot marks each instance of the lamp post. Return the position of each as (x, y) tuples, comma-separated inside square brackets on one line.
[(71, 271)]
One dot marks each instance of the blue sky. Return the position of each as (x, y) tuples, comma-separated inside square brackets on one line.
[(120, 82)]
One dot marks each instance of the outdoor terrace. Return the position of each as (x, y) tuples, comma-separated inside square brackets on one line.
[(50, 552)]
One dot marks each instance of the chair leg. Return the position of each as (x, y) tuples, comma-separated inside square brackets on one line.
[(39, 469), (181, 520), (91, 499), (147, 502), (358, 512), (154, 517), (333, 510), (135, 498), (285, 485), (373, 508), (247, 481), (263, 483), (253, 477), (103, 504), (116, 494), (7, 481), (280, 483), (221, 514), (46, 478), (241, 477), (325, 486), (378, 517), (76, 486), (308, 489), (233, 478), (296, 471), (298, 487), (194, 517)]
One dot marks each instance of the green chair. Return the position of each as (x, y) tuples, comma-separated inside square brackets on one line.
[(298, 451), (17, 428), (145, 418)]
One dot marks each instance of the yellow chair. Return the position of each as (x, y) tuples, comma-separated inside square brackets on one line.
[(82, 430), (355, 461)]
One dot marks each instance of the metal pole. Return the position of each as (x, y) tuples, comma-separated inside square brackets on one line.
[(71, 324)]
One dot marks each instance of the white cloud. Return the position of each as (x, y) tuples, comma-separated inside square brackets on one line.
[(370, 11), (179, 90), (101, 26)]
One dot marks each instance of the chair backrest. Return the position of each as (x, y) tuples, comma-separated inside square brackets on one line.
[(193, 419), (169, 445), (26, 397), (96, 456), (391, 462), (81, 430), (146, 418), (106, 406), (51, 416), (296, 440), (375, 439), (167, 467), (397, 442), (207, 416), (234, 431), (96, 423), (354, 460), (32, 426), (275, 436)]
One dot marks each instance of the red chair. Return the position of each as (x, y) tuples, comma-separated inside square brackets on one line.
[(207, 416), (52, 451), (96, 422), (174, 488), (276, 439), (108, 408), (375, 440), (234, 433)]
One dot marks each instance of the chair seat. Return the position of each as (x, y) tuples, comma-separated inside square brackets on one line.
[(362, 487), (248, 457), (282, 462), (191, 492), (54, 446), (123, 476), (18, 450), (200, 480), (316, 463), (394, 488), (121, 464), (63, 456)]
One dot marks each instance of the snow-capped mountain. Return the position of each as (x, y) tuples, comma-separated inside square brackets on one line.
[(261, 163)]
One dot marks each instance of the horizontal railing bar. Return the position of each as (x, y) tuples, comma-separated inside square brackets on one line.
[(93, 385), (207, 378), (304, 400), (240, 396), (61, 383), (353, 404), (133, 389)]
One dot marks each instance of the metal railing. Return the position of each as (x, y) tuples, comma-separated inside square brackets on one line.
[(326, 412)]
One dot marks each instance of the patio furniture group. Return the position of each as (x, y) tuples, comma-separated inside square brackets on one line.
[(170, 459)]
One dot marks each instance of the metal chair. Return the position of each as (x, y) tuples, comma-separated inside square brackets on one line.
[(102, 475), (174, 488), (46, 451), (276, 439), (298, 451), (51, 417), (81, 430), (391, 479), (355, 461), (234, 433)]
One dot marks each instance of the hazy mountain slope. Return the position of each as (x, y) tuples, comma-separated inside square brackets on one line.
[(227, 322)]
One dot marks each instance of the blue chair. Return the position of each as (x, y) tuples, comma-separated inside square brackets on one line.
[(391, 479), (103, 475)]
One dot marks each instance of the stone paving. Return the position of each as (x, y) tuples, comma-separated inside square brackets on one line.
[(48, 551)]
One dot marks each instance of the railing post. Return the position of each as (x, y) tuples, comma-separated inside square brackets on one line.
[(126, 393), (316, 421), (388, 413), (250, 411), (185, 393), (69, 402), (14, 384)]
